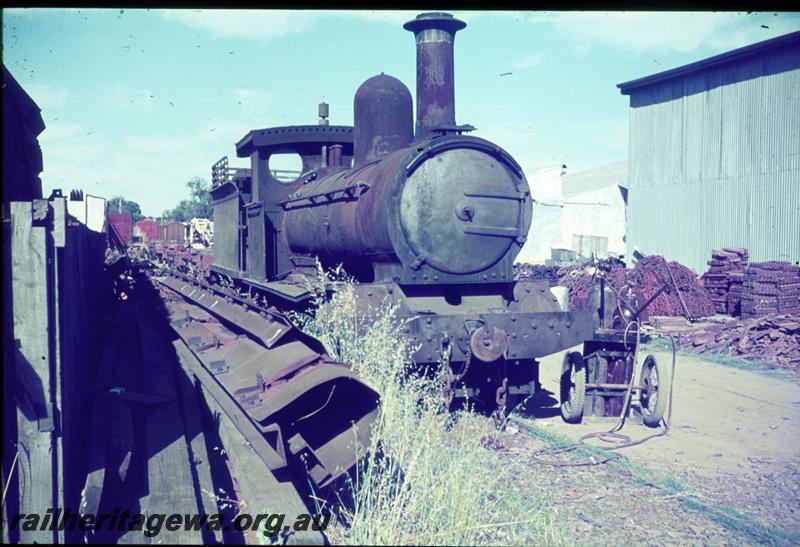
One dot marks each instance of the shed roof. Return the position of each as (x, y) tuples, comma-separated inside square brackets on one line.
[(729, 57), (610, 174)]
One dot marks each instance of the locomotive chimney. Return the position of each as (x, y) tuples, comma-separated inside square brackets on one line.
[(434, 34)]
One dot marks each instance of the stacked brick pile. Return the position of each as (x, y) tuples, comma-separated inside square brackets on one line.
[(725, 279), (771, 287)]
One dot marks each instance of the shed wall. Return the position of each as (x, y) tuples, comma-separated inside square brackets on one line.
[(715, 161)]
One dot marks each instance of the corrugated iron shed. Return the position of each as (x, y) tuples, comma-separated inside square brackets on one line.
[(715, 156)]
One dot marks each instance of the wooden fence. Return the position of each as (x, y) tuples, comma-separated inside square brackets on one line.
[(52, 305)]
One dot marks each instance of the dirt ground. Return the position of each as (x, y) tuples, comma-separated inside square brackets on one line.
[(728, 472)]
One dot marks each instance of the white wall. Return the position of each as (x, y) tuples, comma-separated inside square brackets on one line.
[(90, 211), (548, 201), (599, 212)]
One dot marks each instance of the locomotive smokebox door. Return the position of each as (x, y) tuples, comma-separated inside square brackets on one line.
[(461, 210)]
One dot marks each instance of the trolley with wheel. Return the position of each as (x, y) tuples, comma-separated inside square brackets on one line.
[(605, 379), (596, 382)]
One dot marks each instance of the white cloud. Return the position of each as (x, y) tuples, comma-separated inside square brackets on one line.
[(117, 97), (47, 96), (581, 30), (530, 60), (251, 24), (663, 31), (155, 178), (395, 17), (157, 144), (251, 102), (56, 132), (267, 24)]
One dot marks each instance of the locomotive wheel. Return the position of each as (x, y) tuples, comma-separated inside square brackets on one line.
[(654, 390), (573, 387)]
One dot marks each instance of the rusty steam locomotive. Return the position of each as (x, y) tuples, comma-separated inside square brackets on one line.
[(425, 216)]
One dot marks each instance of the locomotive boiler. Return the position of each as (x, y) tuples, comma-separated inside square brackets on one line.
[(423, 215)]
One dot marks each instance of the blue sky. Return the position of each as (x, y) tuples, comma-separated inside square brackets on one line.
[(137, 102)]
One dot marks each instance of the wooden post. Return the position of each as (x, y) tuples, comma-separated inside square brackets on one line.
[(31, 279), (9, 447), (52, 282)]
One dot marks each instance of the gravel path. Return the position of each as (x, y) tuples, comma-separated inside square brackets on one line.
[(727, 473)]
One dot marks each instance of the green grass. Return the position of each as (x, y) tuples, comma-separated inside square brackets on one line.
[(425, 478)]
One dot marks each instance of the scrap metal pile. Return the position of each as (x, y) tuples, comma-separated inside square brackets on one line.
[(525, 271), (186, 259), (690, 299), (271, 379), (765, 294), (579, 280), (772, 339), (724, 279)]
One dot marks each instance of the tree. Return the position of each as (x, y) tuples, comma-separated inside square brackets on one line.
[(197, 206), (119, 204), (201, 197)]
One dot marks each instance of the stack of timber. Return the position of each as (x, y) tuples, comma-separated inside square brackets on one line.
[(667, 324), (772, 340), (771, 287), (725, 279)]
